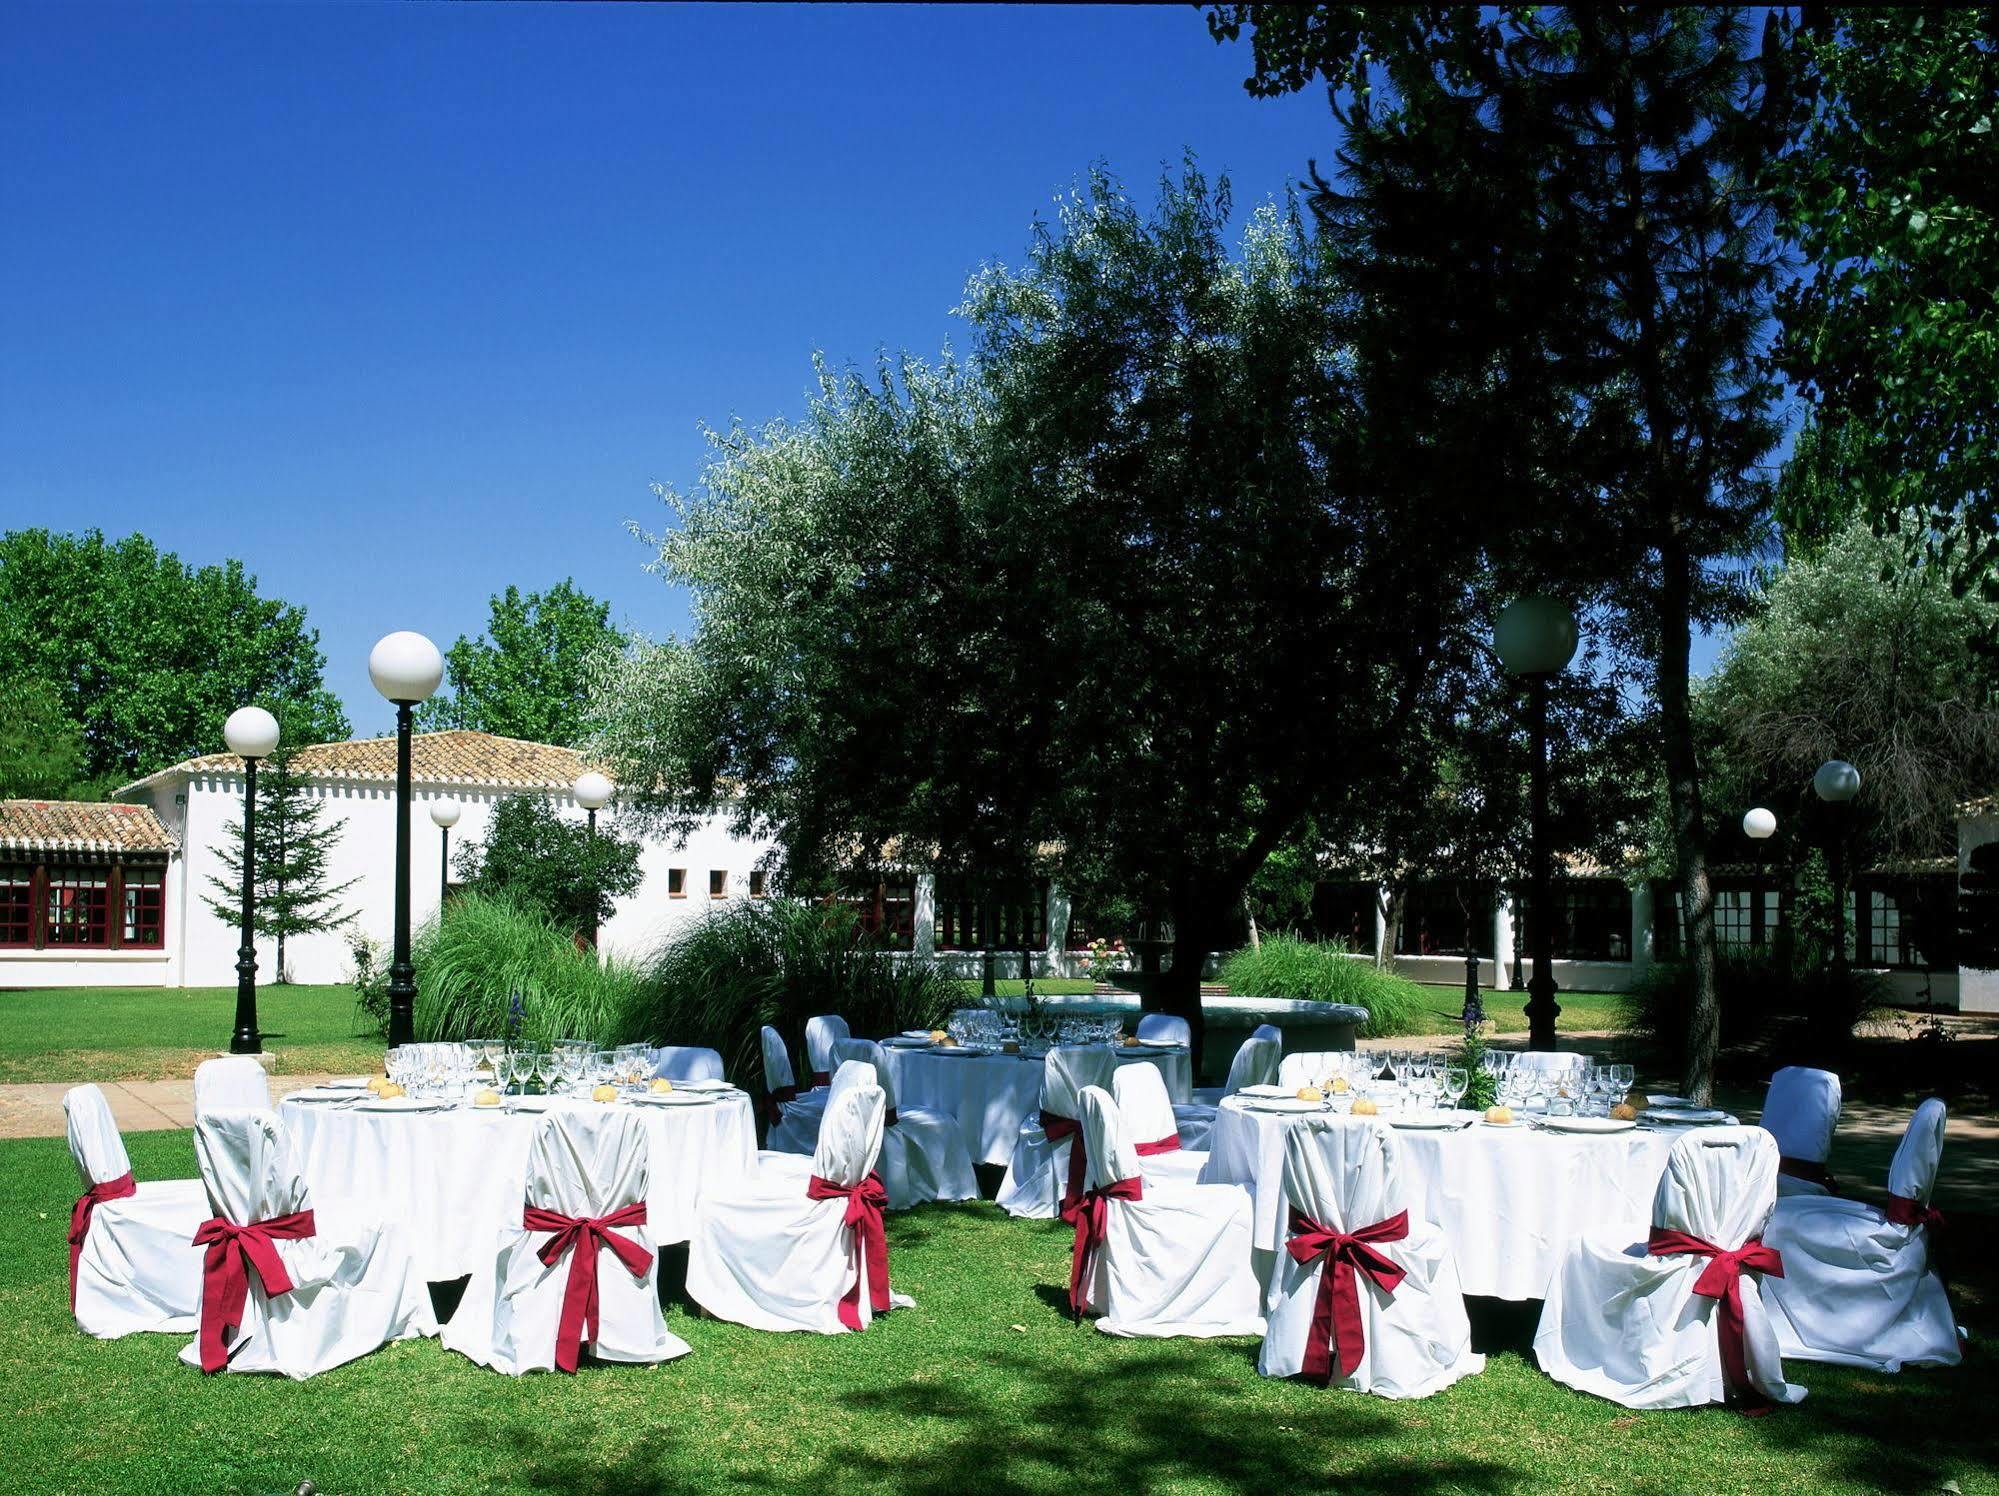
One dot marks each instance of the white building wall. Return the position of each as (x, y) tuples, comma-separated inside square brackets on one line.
[(1977, 991)]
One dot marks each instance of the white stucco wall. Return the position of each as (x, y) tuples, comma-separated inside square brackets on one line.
[(1977, 991)]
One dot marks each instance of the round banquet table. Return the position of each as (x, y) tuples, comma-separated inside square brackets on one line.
[(1508, 1199), (991, 1094), (456, 1178)]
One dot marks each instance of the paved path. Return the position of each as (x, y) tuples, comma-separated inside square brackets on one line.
[(35, 1111)]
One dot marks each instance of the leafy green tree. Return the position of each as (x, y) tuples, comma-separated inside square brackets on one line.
[(150, 655), (527, 676), (1563, 214), (41, 746), (1118, 600), (294, 894), (1893, 335), (543, 860)]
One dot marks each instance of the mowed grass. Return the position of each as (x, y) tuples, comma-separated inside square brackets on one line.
[(985, 1387), (162, 1033)]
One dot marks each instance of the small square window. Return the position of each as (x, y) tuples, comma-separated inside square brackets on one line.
[(718, 883), (676, 883), (759, 883)]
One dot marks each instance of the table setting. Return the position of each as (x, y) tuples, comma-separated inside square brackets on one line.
[(442, 1139), (1510, 1185), (984, 1069)]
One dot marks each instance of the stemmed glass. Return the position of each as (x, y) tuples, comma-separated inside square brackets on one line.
[(1457, 1080)]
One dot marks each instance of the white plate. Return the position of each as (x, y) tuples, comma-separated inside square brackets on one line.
[(1688, 1116), (907, 1041), (703, 1085), (1267, 1091), (401, 1104), (959, 1051), (1587, 1124), (1676, 1102), (1516, 1122), (923, 1034), (532, 1103), (1429, 1121), (323, 1094), (675, 1097), (1162, 1043), (1281, 1104)]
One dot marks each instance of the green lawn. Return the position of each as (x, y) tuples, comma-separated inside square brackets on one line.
[(1582, 1012), (984, 1388), (161, 1033)]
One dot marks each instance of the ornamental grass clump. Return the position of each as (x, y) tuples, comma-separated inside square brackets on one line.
[(1308, 971), (486, 949)]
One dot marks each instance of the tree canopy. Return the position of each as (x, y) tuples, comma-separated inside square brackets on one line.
[(543, 860), (148, 655), (527, 676)]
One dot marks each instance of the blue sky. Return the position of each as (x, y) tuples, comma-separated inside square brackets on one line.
[(401, 304)]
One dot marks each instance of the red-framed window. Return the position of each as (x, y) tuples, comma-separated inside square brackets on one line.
[(145, 907), (887, 911), (17, 905), (77, 907)]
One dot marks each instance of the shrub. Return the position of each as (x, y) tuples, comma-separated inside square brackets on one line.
[(1809, 1014), (541, 860), (781, 962), (1302, 969), (486, 948), (370, 981)]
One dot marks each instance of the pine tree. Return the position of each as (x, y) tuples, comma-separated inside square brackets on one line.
[(292, 895)]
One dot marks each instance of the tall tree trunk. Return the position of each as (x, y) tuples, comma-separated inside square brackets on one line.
[(1249, 914), (1683, 793), (1393, 899), (1177, 990)]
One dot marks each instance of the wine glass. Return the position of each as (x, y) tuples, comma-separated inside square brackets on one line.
[(1457, 1080)]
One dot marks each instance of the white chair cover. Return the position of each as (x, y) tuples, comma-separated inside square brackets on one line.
[(923, 1156), (794, 1114), (1174, 1261), (773, 1258), (136, 1266), (1861, 1288), (686, 1062), (1346, 1174), (821, 1034), (1037, 1176), (1801, 1110), (1550, 1060), (1627, 1325), (785, 1163), (233, 1080), (1255, 1064), (1168, 1026), (354, 1286), (1147, 1117), (582, 1164)]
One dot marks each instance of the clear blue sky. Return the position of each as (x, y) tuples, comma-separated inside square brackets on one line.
[(401, 304)]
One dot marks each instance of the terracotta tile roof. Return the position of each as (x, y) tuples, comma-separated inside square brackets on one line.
[(455, 757), (1984, 805), (80, 826)]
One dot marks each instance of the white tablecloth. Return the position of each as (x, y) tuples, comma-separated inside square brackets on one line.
[(1509, 1199), (455, 1178), (991, 1094)]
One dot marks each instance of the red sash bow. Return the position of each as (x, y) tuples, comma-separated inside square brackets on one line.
[(581, 1236), (232, 1251), (121, 1188), (779, 1095), (1336, 1322), (1056, 1127), (1905, 1211), (1810, 1170), (865, 1203), (822, 1077), (1090, 1214), (1168, 1144), (1722, 1279)]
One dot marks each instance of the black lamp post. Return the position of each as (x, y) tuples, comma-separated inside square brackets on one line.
[(405, 668), (1536, 638), (593, 792), (444, 815), (251, 733), (1837, 782)]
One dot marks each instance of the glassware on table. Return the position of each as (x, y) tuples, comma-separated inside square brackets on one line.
[(1456, 1081)]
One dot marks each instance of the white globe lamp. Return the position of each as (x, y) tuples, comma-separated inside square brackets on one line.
[(444, 814), (251, 732), (593, 791), (1836, 781), (1535, 635), (405, 667), (1759, 824)]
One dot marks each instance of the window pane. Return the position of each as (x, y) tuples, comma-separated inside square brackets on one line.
[(1439, 919), (145, 890), (79, 908), (17, 911)]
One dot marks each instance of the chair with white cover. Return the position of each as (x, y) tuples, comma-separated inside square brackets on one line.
[(1361, 1295), (287, 1287), (821, 1034), (1801, 1111), (579, 1271), (1255, 1064), (1151, 1127), (133, 1265), (1167, 1028), (1156, 1258), (813, 1256), (1677, 1320), (773, 1164), (1551, 1061), (686, 1062), (1861, 1285), (923, 1156), (232, 1080), (793, 1114), (1047, 1165)]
